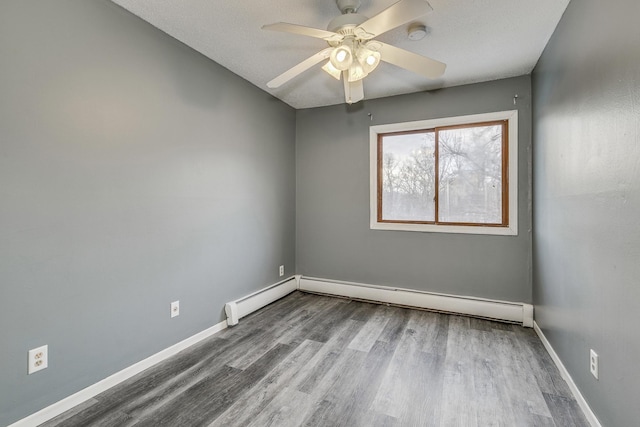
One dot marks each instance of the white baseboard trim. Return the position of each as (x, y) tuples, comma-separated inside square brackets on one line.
[(85, 394), (588, 413), (246, 305), (472, 306)]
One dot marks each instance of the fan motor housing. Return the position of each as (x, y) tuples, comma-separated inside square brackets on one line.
[(343, 22)]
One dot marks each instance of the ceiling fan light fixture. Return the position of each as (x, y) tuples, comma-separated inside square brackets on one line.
[(368, 58), (356, 72), (331, 70), (341, 57)]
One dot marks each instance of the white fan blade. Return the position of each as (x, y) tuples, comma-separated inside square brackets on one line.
[(395, 15), (305, 31), (411, 61), (353, 91), (300, 68)]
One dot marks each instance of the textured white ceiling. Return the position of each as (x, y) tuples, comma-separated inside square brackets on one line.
[(479, 40)]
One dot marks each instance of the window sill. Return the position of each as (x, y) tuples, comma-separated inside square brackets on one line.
[(512, 230)]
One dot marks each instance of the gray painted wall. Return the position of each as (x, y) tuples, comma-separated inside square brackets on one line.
[(133, 172), (332, 201), (587, 201)]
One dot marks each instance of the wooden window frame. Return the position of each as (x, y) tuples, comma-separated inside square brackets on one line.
[(508, 226)]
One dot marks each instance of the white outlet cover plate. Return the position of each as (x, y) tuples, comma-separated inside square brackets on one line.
[(281, 270), (175, 308), (38, 359)]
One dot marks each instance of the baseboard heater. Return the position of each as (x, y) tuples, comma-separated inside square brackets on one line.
[(505, 311), (478, 307), (244, 306)]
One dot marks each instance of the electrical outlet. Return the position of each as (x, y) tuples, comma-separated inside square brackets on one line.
[(281, 270), (38, 359), (593, 363), (175, 308)]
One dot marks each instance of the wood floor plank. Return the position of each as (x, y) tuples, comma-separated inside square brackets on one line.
[(540, 421), (412, 386), (394, 328), (458, 405), (432, 330), (348, 402), (331, 322), (94, 416), (480, 324), (158, 374), (398, 384), (382, 420), (204, 402), (525, 394), (366, 311), (429, 384), (326, 307), (151, 392), (321, 361), (288, 409), (247, 407), (348, 362), (371, 330), (290, 320), (547, 375), (565, 411), (327, 357), (190, 406), (490, 390), (65, 416)]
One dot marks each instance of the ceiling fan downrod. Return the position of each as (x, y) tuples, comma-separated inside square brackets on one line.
[(350, 18)]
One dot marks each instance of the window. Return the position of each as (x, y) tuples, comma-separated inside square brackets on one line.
[(454, 175)]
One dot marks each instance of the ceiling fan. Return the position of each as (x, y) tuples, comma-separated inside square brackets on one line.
[(352, 53)]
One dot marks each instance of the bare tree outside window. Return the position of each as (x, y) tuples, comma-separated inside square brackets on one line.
[(470, 186), (466, 163), (408, 177)]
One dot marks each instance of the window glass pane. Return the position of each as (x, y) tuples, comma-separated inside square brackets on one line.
[(470, 163), (408, 177)]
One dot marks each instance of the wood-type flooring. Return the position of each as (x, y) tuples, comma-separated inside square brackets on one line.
[(310, 360)]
